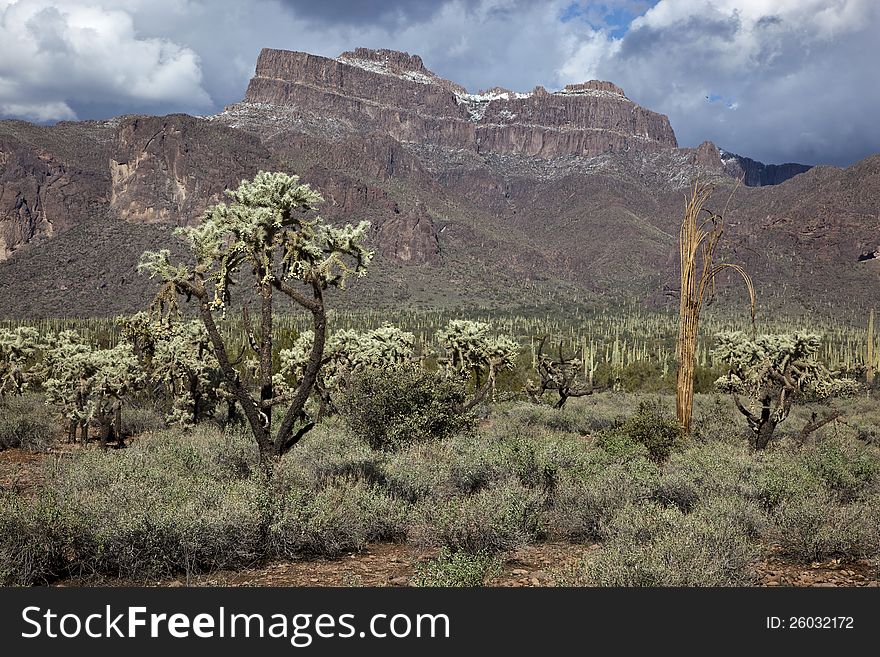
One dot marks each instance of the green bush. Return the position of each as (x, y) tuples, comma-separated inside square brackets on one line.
[(649, 545), (497, 519), (457, 569), (138, 420), (847, 469), (168, 504), (342, 517), (583, 504), (26, 423), (570, 419), (393, 407), (784, 477), (816, 528), (650, 428), (331, 453), (705, 471), (182, 529), (439, 470), (35, 538)]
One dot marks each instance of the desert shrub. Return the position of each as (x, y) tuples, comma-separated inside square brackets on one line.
[(341, 517), (528, 461), (677, 490), (620, 446), (847, 469), (170, 503), (35, 537), (784, 477), (187, 528), (162, 508), (457, 569), (572, 418), (716, 421), (816, 528), (437, 470), (330, 453), (651, 545), (25, 422), (137, 420), (418, 472), (497, 519), (707, 470), (650, 428), (745, 514), (583, 504), (645, 376), (393, 407)]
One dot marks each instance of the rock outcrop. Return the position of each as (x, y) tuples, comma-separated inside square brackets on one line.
[(409, 237), (169, 169), (45, 187), (758, 174), (394, 94)]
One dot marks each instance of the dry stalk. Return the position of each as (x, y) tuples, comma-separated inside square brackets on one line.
[(701, 230)]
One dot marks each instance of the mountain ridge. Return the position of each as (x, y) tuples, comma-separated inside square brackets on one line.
[(470, 203)]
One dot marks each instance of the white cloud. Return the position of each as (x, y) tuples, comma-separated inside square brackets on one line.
[(55, 56), (803, 73), (42, 112)]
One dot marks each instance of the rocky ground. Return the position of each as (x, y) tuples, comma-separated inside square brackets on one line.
[(388, 564)]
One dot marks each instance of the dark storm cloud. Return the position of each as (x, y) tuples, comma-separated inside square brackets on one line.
[(644, 40), (353, 12)]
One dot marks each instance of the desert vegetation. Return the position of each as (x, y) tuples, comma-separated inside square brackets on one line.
[(247, 435)]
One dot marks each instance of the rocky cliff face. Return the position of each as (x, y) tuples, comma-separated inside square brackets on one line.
[(758, 174), (169, 169), (393, 93), (49, 180)]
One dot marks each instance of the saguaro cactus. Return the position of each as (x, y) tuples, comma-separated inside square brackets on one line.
[(700, 233)]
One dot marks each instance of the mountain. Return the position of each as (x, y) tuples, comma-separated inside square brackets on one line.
[(491, 199), (758, 174)]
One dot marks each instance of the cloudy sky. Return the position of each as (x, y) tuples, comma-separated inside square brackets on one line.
[(777, 80)]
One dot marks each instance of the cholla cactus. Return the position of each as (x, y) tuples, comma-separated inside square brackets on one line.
[(270, 228), (178, 359), (471, 350), (89, 384), (563, 375), (18, 349), (345, 353), (774, 371)]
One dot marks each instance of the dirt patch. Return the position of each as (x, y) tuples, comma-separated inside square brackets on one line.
[(393, 564), (776, 571), (20, 470)]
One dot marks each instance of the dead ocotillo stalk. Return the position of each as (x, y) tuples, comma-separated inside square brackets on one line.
[(698, 241)]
